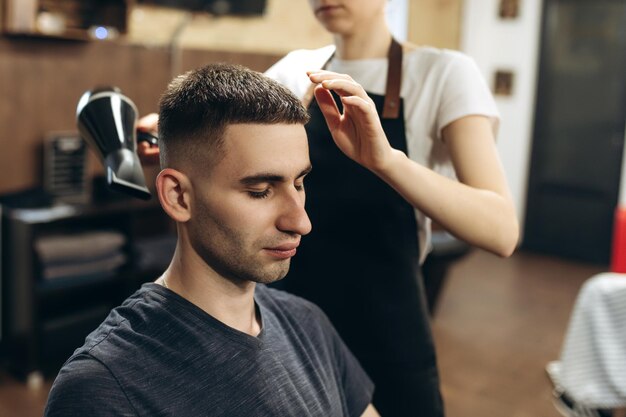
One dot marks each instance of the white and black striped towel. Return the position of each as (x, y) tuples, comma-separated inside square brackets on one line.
[(592, 366)]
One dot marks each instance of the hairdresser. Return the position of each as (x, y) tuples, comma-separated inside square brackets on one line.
[(409, 121)]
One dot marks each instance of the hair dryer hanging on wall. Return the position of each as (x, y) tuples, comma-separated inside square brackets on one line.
[(107, 120)]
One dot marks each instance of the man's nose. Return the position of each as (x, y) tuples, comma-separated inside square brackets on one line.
[(294, 218)]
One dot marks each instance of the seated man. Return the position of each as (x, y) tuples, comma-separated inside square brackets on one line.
[(208, 338)]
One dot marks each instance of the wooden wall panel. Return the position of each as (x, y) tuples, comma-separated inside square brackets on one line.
[(435, 23), (41, 81), (285, 25)]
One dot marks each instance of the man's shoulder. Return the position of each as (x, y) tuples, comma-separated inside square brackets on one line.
[(82, 368), (127, 328), (85, 386)]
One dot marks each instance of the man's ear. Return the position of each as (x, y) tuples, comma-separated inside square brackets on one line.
[(174, 190)]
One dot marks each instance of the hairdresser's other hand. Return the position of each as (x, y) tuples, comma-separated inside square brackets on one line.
[(148, 154), (357, 132)]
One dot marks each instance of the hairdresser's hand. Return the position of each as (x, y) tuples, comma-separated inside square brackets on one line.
[(148, 154), (357, 132)]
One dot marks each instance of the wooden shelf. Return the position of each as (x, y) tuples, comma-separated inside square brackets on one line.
[(47, 311), (66, 19)]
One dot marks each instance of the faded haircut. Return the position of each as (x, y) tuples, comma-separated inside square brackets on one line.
[(197, 107)]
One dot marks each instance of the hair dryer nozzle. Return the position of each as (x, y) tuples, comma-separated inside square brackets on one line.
[(124, 173), (107, 120)]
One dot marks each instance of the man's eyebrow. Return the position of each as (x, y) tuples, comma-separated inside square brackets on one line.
[(269, 177)]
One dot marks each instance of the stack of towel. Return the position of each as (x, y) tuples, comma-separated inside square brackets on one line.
[(86, 254)]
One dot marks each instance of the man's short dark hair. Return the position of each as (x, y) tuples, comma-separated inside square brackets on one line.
[(197, 107)]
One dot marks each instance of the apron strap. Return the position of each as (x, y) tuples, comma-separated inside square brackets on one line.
[(391, 106)]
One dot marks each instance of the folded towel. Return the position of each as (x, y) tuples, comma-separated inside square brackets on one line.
[(90, 267), (77, 246)]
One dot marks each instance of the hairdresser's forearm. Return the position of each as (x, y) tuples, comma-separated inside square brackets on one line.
[(480, 217)]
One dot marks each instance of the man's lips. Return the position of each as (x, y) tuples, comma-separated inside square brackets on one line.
[(284, 251), (326, 9)]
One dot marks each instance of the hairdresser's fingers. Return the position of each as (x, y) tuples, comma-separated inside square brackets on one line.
[(322, 75), (363, 107), (369, 144), (148, 123), (347, 88), (363, 113), (327, 105), (148, 154)]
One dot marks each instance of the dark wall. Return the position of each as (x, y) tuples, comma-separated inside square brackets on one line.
[(41, 81)]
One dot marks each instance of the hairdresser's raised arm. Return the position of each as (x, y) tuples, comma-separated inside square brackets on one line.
[(477, 209)]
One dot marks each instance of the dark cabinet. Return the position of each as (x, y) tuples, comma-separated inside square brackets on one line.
[(64, 268)]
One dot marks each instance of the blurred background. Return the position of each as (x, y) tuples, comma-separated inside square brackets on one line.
[(72, 250)]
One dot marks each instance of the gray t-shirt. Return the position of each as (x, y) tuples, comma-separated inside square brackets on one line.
[(160, 355)]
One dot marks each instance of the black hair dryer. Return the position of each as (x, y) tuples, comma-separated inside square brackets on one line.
[(107, 120)]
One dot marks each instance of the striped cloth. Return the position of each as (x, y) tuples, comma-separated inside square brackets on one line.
[(592, 366)]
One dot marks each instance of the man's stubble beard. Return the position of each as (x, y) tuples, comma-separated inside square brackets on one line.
[(232, 263)]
